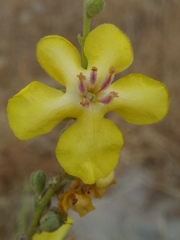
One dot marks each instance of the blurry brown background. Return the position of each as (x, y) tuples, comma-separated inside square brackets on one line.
[(148, 174)]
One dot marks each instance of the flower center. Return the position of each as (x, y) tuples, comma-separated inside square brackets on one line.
[(90, 94)]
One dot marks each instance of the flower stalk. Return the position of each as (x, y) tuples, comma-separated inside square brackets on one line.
[(58, 187), (91, 9), (86, 30)]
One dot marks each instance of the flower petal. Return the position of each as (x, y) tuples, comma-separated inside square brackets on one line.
[(57, 235), (106, 46), (59, 58), (36, 110), (77, 201), (83, 204), (90, 148), (141, 100)]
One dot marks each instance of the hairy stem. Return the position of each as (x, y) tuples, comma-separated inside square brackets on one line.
[(41, 206), (86, 30)]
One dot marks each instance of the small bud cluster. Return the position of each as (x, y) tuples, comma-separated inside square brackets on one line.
[(50, 221), (94, 7)]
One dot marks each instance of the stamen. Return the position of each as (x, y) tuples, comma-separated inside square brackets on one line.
[(88, 94), (85, 102), (93, 77), (108, 80), (81, 85), (108, 98)]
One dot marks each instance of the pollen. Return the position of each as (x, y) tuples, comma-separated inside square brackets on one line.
[(82, 86)]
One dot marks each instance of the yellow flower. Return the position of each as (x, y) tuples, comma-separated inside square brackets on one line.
[(89, 149)]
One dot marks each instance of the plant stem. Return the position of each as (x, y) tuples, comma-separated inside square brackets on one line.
[(86, 30), (41, 206)]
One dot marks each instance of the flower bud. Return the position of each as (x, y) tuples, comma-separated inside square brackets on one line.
[(38, 181), (94, 7), (50, 222), (105, 182)]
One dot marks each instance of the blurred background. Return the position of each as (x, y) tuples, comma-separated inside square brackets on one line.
[(145, 202)]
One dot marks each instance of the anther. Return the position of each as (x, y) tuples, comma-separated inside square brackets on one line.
[(81, 85)]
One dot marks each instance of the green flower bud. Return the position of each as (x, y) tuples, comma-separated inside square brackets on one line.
[(38, 181), (50, 222), (94, 7)]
